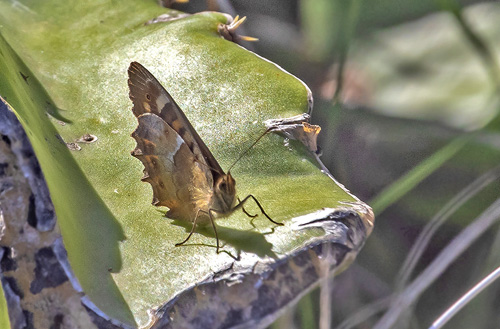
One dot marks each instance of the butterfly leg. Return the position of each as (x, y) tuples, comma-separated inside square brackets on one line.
[(210, 211), (246, 212), (260, 207), (193, 229)]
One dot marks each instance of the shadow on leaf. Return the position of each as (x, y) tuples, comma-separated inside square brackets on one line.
[(248, 241)]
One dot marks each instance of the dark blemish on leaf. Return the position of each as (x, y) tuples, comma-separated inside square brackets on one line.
[(25, 77), (87, 138)]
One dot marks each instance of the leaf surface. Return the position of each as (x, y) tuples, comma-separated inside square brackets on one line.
[(78, 54)]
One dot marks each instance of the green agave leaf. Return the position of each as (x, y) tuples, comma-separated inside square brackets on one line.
[(4, 312), (80, 51), (90, 229)]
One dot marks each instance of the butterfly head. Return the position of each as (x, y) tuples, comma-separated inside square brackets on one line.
[(225, 188)]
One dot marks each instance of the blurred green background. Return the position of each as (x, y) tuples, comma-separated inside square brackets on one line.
[(414, 122)]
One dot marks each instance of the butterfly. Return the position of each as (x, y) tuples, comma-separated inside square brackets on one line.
[(182, 171)]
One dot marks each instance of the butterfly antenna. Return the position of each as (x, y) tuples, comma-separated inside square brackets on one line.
[(244, 153)]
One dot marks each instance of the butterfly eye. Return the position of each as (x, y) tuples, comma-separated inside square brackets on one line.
[(148, 97), (223, 185)]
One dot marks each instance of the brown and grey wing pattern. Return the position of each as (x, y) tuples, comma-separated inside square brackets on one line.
[(173, 162), (170, 167), (149, 96)]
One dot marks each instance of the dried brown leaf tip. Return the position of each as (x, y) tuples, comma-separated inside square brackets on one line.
[(298, 128), (228, 31)]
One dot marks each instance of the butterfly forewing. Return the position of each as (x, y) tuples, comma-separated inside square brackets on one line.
[(148, 95), (174, 164)]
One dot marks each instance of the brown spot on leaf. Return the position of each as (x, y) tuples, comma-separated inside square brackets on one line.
[(87, 138), (73, 146)]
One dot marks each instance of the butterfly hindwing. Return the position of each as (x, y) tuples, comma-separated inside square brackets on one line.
[(178, 180)]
